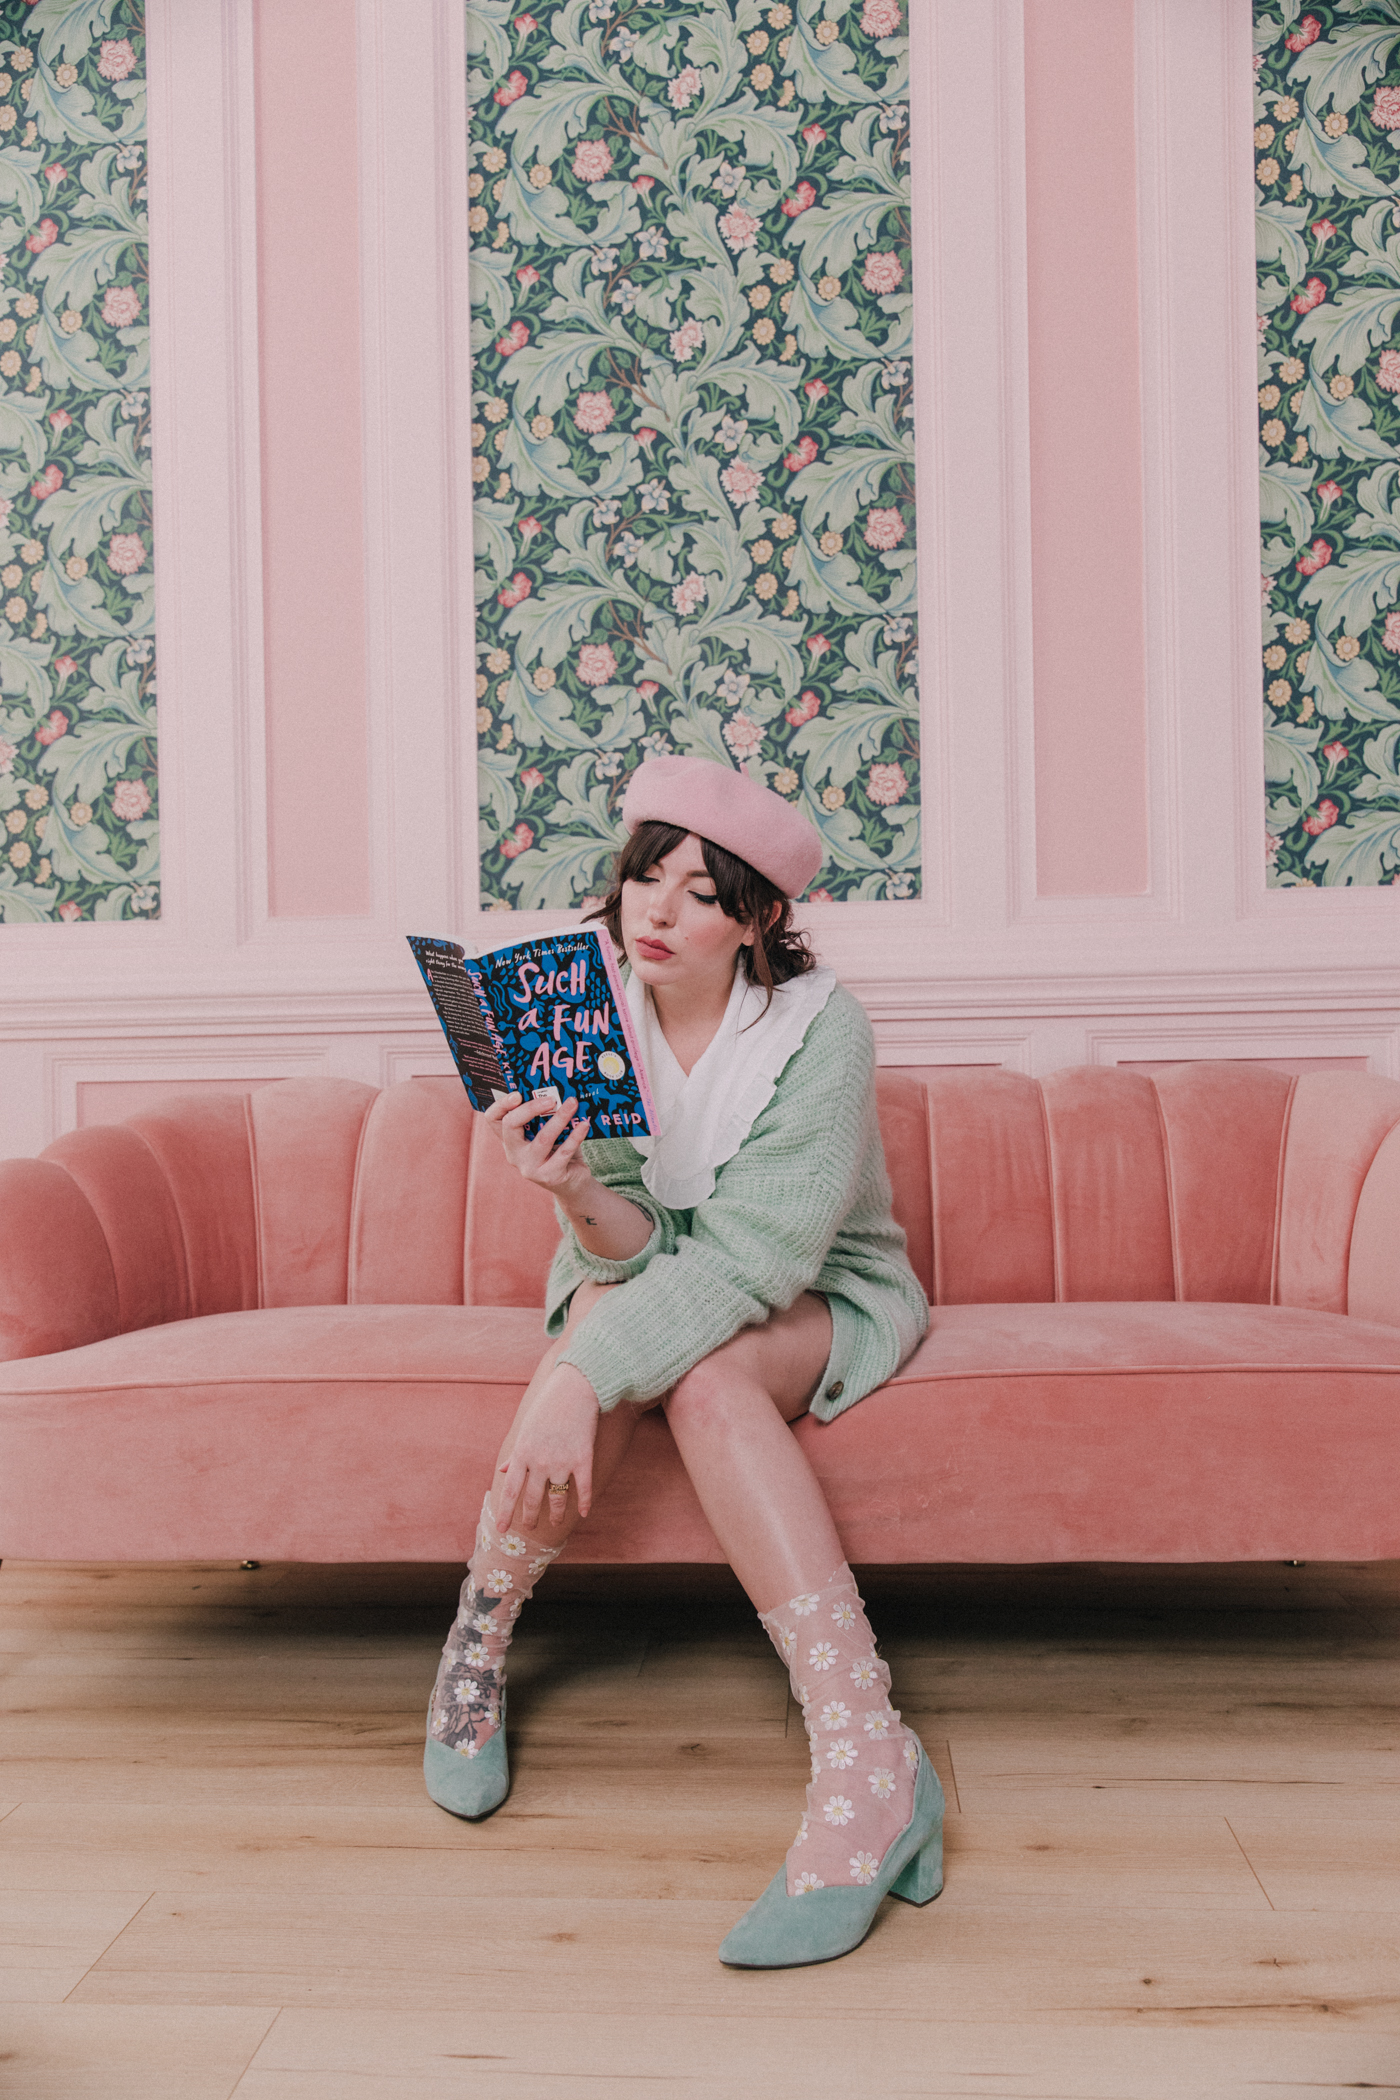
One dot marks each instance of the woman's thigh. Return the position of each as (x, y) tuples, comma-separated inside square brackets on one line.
[(785, 1357)]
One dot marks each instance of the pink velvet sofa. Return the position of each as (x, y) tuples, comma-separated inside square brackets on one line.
[(1165, 1326)]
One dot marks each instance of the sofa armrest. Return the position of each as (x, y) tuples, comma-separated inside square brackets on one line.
[(1373, 1262), (58, 1289)]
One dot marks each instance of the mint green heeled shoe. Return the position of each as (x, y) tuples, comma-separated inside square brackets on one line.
[(787, 1932), (468, 1786)]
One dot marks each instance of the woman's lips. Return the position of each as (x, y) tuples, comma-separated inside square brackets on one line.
[(654, 951)]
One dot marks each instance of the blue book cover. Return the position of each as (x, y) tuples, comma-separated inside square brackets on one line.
[(542, 1018)]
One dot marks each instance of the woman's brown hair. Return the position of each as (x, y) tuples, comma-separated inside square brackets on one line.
[(778, 952)]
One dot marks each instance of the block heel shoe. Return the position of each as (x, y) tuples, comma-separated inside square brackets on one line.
[(468, 1786), (787, 1932)]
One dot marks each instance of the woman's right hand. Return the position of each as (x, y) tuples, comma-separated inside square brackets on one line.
[(550, 1158)]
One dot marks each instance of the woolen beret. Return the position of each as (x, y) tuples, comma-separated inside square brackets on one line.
[(717, 802)]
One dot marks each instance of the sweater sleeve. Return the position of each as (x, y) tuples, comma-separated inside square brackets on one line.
[(615, 1165), (761, 1238)]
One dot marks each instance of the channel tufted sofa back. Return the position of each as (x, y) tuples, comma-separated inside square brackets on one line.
[(1209, 1182)]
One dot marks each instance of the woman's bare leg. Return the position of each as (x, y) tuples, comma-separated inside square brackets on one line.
[(506, 1563), (614, 1428), (729, 1417)]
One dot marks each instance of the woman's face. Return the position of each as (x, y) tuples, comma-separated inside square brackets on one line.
[(674, 932)]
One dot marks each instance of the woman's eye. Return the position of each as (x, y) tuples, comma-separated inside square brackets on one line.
[(703, 900)]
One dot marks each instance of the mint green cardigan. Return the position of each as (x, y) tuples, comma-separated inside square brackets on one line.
[(804, 1205)]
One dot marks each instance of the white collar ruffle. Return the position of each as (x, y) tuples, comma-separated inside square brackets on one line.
[(703, 1119)]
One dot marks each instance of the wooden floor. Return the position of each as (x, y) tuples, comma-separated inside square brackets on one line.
[(1173, 1842)]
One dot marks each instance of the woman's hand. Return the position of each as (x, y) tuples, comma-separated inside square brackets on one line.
[(553, 1441), (550, 1158), (605, 1223)]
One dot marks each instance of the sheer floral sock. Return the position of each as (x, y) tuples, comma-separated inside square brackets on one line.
[(502, 1572), (863, 1758)]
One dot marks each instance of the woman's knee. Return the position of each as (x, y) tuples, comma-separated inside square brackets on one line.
[(722, 1384)]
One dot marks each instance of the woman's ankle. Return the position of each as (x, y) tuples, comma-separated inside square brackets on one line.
[(864, 1760), (505, 1566)]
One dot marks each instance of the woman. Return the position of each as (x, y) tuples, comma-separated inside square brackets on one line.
[(737, 1269)]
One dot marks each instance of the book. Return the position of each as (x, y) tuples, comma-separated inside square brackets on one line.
[(545, 1019)]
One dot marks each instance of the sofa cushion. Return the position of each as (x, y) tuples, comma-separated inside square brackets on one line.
[(1144, 1431), (317, 1432), (305, 1136), (993, 1228), (1147, 1431), (1337, 1124), (1222, 1129), (411, 1196)]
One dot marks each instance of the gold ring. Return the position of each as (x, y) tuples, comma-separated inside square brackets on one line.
[(558, 1487)]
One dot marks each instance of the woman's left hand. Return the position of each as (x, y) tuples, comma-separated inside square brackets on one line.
[(554, 1441)]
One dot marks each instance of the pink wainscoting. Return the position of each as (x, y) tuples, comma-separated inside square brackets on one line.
[(1086, 450), (114, 1100), (1294, 1065), (312, 459)]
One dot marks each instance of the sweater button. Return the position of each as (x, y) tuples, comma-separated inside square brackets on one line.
[(834, 1392)]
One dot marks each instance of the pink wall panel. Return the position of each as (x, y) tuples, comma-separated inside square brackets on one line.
[(114, 1100), (1295, 1066), (312, 459), (1086, 450)]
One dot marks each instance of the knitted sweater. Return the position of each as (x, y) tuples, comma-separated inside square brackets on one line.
[(804, 1205)]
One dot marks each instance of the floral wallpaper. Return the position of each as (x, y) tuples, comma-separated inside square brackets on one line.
[(693, 423), (1327, 165), (78, 834)]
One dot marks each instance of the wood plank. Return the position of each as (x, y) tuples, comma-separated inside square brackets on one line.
[(1117, 1674), (114, 2052), (1320, 1800), (275, 1765), (313, 2055), (1351, 1865), (958, 1960), (412, 1852), (1072, 1863), (331, 1683), (49, 1939), (1218, 1746)]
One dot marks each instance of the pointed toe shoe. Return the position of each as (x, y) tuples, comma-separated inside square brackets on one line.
[(787, 1932)]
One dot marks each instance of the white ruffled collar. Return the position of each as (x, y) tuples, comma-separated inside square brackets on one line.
[(703, 1119)]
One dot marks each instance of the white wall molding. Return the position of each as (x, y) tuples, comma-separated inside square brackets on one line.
[(323, 1004), (67, 1076), (1273, 1036), (49, 1047), (421, 1061)]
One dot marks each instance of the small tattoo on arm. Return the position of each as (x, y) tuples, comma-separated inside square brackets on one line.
[(590, 1221)]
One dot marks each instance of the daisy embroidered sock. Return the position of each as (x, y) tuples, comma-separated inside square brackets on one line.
[(502, 1572), (864, 1760)]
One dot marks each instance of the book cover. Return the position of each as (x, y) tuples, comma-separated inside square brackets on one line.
[(544, 1018)]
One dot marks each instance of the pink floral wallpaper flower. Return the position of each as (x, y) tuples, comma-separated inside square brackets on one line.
[(693, 423), (1327, 168), (77, 661)]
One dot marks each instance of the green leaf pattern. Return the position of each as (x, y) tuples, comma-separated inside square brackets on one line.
[(693, 424), (79, 835), (1327, 167)]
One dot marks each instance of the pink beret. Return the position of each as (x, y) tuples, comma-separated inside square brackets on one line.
[(716, 802)]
